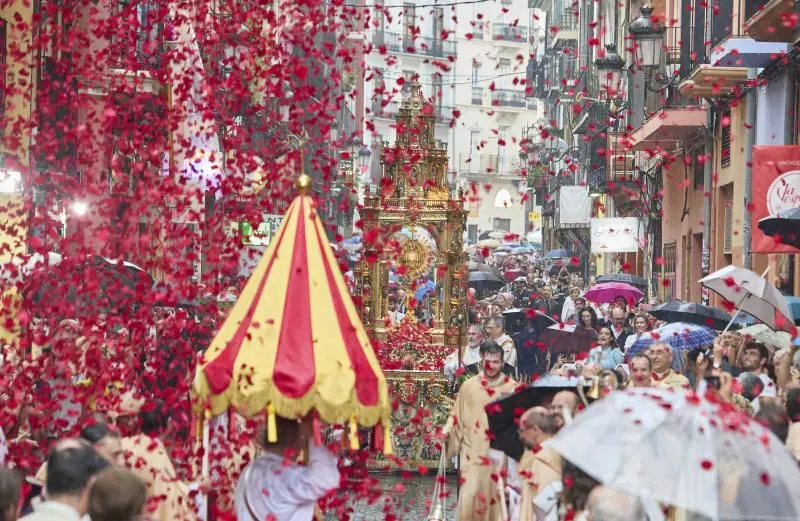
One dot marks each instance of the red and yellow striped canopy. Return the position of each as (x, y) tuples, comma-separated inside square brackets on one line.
[(293, 340)]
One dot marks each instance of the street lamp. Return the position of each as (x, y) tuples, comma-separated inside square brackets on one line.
[(648, 38), (557, 149), (80, 208), (611, 66), (530, 153), (364, 154)]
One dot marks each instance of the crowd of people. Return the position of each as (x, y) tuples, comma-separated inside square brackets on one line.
[(759, 380), (126, 464)]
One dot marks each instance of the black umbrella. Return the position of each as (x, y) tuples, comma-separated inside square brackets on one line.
[(627, 278), (679, 311), (485, 280), (88, 285), (477, 266), (568, 338), (783, 227), (503, 414)]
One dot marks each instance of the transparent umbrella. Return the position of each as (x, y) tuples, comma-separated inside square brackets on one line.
[(752, 294), (687, 451)]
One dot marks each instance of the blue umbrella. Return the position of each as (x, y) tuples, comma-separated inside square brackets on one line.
[(794, 305), (680, 336), (560, 253), (423, 290)]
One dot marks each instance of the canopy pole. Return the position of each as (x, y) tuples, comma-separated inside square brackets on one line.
[(205, 468), (741, 304), (272, 425)]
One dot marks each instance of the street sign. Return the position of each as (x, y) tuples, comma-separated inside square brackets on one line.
[(262, 235), (346, 170), (535, 218)]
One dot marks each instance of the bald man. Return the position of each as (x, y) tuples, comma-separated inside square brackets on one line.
[(564, 407), (539, 465), (608, 504)]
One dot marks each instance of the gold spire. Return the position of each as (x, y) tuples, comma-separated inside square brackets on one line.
[(413, 103), (303, 183)]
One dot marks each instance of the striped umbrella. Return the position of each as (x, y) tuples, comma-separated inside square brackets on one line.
[(680, 336), (293, 342)]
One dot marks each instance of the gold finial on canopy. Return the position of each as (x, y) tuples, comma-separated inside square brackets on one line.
[(303, 184)]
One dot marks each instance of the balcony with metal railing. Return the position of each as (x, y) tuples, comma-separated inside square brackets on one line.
[(509, 98), (732, 50), (489, 165), (598, 182), (381, 111), (772, 20), (565, 27), (442, 113), (592, 118), (419, 45), (510, 33)]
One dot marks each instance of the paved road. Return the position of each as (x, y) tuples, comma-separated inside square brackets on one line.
[(406, 499)]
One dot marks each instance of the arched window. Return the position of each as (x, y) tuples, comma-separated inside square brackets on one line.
[(502, 199)]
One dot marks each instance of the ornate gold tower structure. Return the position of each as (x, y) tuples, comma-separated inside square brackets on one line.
[(419, 226)]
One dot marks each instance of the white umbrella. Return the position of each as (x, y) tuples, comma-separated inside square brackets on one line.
[(23, 266), (752, 294), (764, 335), (686, 451)]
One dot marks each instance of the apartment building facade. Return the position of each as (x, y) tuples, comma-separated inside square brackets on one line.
[(496, 41)]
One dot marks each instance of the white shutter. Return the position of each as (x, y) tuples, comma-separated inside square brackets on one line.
[(727, 202)]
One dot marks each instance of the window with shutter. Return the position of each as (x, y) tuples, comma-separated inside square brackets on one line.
[(698, 168), (669, 263), (727, 214), (408, 76), (409, 24), (725, 147), (502, 225), (472, 233), (379, 87)]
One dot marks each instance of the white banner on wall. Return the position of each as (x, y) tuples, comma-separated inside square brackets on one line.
[(574, 205), (616, 235)]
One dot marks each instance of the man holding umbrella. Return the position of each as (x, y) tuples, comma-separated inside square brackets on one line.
[(481, 495)]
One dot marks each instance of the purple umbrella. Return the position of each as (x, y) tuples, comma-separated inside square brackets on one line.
[(609, 291)]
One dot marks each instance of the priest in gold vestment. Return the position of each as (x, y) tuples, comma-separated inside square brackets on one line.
[(169, 498), (539, 465), (481, 496)]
